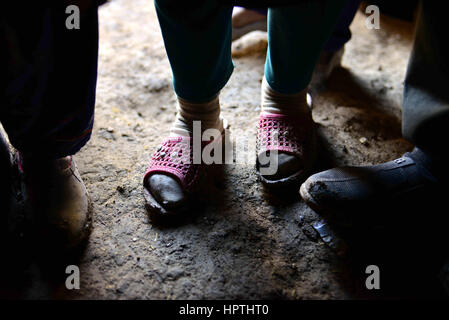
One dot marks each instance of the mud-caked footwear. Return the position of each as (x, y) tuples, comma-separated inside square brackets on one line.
[(58, 198), (286, 148), (349, 188)]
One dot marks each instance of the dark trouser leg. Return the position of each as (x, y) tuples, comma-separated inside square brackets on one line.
[(341, 33), (48, 78), (426, 95)]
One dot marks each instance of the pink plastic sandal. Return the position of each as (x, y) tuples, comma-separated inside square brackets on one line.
[(294, 135), (174, 157)]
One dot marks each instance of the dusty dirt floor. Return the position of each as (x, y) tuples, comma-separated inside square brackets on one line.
[(242, 241)]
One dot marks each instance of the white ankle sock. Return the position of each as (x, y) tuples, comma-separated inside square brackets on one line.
[(208, 113), (280, 103)]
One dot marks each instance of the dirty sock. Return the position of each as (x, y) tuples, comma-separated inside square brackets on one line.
[(207, 112), (280, 103)]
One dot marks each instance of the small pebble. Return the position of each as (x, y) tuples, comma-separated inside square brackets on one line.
[(363, 141)]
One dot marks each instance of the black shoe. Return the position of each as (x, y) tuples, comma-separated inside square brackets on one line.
[(362, 188)]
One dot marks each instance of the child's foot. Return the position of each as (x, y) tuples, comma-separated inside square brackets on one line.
[(285, 149), (172, 177), (285, 137)]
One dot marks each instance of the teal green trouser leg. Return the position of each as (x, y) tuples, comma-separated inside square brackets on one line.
[(296, 37), (197, 37)]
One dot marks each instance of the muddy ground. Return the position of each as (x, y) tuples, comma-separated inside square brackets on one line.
[(242, 241)]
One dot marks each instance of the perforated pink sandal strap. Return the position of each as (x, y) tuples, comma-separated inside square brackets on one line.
[(175, 157), (282, 133)]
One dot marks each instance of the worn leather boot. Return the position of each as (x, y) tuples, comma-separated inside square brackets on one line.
[(58, 199)]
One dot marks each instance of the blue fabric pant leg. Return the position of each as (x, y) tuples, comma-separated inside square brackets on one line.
[(341, 33), (425, 114), (296, 37), (198, 36), (48, 77)]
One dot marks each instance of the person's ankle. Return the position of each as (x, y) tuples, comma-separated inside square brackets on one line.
[(274, 102), (206, 114)]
